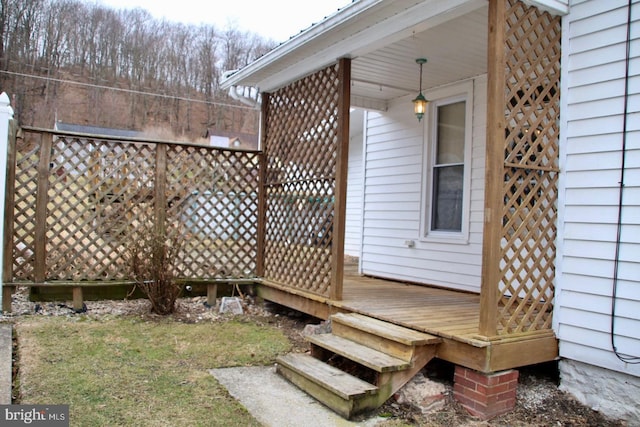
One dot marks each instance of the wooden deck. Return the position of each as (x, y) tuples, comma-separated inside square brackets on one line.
[(451, 315), (445, 313)]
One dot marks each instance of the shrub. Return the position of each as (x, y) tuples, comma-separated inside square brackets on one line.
[(152, 257)]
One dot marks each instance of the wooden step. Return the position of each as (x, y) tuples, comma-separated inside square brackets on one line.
[(394, 340), (366, 356), (393, 355), (384, 329), (343, 393)]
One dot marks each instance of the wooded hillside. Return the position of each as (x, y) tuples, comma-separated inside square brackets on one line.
[(85, 63)]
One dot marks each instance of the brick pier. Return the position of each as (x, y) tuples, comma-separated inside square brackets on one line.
[(485, 395)]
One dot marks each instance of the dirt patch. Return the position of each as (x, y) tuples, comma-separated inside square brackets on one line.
[(539, 401)]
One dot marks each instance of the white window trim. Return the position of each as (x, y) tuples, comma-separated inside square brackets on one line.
[(442, 96)]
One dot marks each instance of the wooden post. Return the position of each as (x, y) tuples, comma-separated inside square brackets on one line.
[(161, 189), (342, 165), (212, 293), (78, 302), (42, 197), (7, 291), (494, 170), (262, 188)]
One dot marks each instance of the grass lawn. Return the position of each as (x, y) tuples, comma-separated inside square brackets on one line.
[(135, 372)]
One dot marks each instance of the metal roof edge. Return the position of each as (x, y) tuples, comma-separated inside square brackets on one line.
[(340, 19), (367, 23), (337, 19)]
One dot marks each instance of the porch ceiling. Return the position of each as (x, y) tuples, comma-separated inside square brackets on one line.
[(383, 39), (455, 50)]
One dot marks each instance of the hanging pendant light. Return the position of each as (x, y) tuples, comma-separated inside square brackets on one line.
[(420, 102)]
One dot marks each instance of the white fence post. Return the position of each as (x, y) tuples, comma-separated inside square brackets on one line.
[(6, 114)]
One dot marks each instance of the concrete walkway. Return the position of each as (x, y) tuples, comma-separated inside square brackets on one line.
[(5, 363), (277, 403)]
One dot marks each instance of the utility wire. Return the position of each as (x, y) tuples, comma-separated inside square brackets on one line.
[(627, 358), (137, 92)]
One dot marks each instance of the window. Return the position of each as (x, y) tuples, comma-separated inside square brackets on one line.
[(447, 179), (448, 168)]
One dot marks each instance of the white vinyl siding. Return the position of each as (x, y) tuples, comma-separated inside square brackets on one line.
[(593, 101), (353, 231), (394, 195)]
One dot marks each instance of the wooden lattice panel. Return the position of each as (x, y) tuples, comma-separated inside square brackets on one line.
[(97, 193), (214, 196), (530, 170), (96, 190), (26, 182), (301, 140)]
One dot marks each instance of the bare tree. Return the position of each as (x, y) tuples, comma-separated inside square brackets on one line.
[(159, 63)]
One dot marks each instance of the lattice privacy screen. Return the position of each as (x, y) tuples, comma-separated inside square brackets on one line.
[(528, 248), (301, 137), (77, 201)]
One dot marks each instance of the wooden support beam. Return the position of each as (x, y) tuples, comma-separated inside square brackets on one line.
[(342, 165), (42, 197), (464, 354), (212, 293), (262, 188), (161, 189), (7, 291), (78, 301), (498, 356), (494, 170), (312, 307), (522, 352)]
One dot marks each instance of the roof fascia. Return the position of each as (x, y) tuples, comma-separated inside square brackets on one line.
[(297, 42), (388, 29)]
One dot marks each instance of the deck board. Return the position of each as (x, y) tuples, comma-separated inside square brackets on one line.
[(433, 310)]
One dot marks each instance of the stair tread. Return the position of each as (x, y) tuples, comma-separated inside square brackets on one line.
[(366, 356), (385, 329), (338, 382)]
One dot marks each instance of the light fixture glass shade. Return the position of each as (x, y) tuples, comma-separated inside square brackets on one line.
[(420, 103), (420, 106)]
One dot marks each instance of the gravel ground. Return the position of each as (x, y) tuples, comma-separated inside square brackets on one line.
[(539, 401)]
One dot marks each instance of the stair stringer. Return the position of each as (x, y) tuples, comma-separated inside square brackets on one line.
[(390, 382)]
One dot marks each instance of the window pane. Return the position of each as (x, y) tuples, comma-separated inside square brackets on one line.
[(451, 133), (446, 214)]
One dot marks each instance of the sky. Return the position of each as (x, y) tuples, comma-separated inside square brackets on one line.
[(273, 19)]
